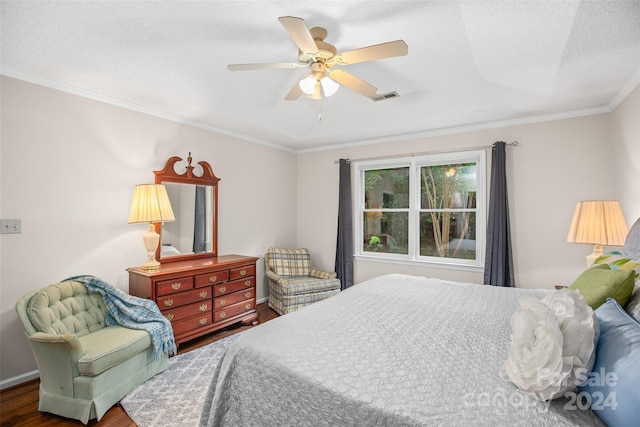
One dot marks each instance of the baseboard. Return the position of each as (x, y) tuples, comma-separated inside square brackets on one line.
[(10, 382), (261, 300)]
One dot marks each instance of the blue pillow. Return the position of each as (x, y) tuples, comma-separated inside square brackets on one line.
[(614, 383)]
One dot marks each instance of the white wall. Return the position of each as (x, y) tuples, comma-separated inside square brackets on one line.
[(68, 169), (625, 133), (556, 164)]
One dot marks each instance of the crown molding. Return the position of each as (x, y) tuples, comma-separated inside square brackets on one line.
[(136, 107), (633, 82), (462, 129)]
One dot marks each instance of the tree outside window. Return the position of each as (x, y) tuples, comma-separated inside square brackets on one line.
[(447, 210)]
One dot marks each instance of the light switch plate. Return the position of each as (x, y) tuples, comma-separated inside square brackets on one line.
[(10, 226)]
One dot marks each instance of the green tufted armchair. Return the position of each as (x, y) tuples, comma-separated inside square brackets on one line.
[(293, 282), (85, 366)]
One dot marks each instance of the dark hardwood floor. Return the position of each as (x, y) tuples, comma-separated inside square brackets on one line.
[(19, 404)]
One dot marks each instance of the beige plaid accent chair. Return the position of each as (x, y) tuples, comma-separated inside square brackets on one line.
[(293, 282)]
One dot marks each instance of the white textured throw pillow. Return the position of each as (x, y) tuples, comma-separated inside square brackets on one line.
[(553, 342)]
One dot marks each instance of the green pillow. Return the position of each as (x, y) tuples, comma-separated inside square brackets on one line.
[(599, 283)]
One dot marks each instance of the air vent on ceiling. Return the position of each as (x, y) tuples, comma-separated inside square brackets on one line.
[(387, 95)]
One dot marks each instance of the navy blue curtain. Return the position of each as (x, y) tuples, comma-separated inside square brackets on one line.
[(498, 262), (344, 246), (199, 238)]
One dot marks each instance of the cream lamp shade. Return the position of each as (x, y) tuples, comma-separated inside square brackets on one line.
[(599, 223), (150, 204)]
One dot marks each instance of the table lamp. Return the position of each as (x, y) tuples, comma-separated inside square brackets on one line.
[(150, 204), (599, 223)]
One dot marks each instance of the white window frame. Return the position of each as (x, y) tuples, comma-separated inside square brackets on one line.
[(414, 163)]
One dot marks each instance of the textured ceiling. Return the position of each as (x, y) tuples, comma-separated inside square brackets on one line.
[(470, 64)]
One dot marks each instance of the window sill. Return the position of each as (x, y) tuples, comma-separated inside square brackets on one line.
[(416, 263)]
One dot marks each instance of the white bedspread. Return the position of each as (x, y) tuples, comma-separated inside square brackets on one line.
[(392, 351)]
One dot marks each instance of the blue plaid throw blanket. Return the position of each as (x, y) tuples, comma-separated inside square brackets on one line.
[(134, 313)]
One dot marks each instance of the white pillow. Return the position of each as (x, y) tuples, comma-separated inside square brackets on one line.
[(553, 342)]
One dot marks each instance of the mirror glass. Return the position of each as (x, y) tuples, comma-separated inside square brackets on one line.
[(192, 231)]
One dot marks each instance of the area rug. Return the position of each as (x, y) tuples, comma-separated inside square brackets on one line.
[(175, 397)]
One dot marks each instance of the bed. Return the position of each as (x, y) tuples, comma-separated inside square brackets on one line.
[(168, 250), (396, 350)]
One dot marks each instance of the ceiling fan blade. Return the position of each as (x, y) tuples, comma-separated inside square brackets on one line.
[(371, 53), (297, 29), (294, 93), (354, 83), (272, 66)]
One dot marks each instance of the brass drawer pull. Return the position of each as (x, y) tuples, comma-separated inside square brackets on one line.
[(222, 289), (223, 315), (168, 302), (247, 282), (169, 316), (243, 272), (175, 286), (204, 294), (203, 321), (247, 306), (204, 307), (223, 301), (247, 294), (213, 278)]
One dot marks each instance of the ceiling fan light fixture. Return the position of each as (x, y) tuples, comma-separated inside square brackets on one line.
[(308, 84), (317, 91), (329, 87)]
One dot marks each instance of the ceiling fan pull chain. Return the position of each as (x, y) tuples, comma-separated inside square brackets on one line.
[(320, 110)]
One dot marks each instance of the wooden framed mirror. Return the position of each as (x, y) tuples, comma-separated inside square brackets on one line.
[(193, 192)]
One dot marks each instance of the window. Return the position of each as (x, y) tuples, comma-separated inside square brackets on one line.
[(427, 209)]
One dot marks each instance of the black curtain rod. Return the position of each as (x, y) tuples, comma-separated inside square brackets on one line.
[(514, 144)]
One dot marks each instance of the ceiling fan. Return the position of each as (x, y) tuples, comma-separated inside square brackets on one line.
[(320, 57)]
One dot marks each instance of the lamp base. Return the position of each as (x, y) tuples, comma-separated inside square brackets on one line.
[(597, 253), (151, 265), (151, 240)]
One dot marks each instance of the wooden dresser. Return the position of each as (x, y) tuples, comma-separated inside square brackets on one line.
[(202, 295)]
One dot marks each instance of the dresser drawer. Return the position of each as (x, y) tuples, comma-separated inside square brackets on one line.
[(190, 324), (165, 287), (240, 272), (182, 312), (230, 299), (212, 278), (182, 298), (238, 285), (233, 310)]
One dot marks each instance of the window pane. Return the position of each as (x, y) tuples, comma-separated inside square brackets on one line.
[(450, 186), (386, 232), (448, 234), (386, 188)]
